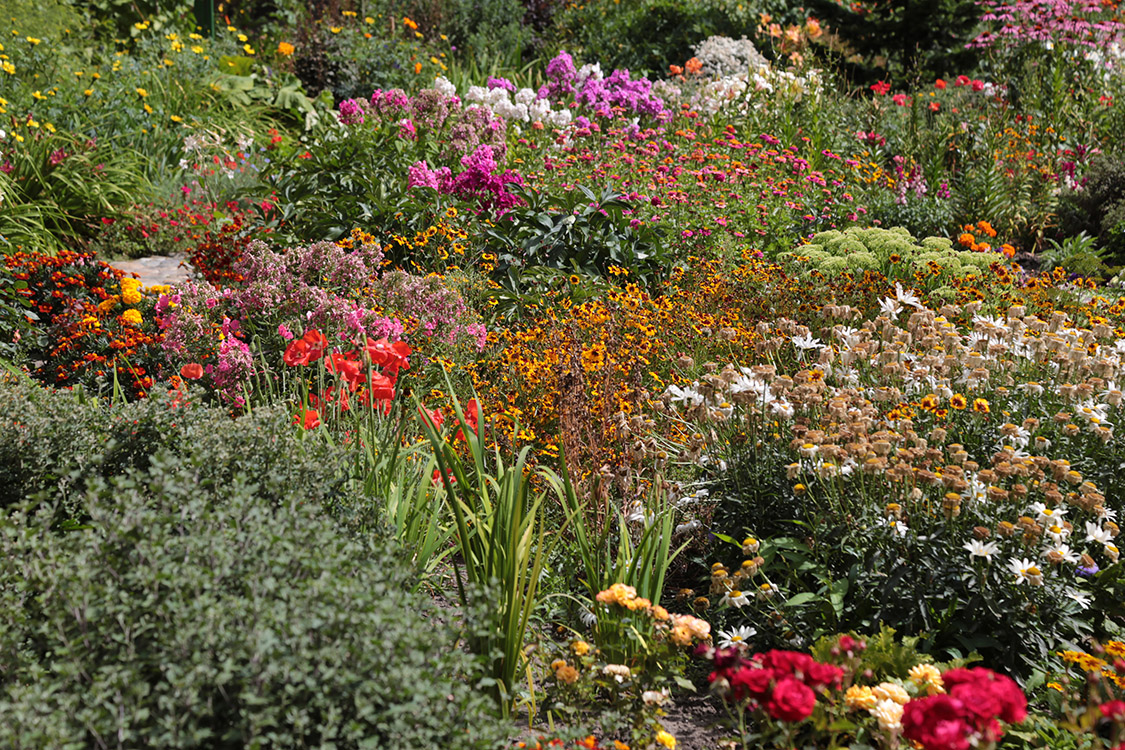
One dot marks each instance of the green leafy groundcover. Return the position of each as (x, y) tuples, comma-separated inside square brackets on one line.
[(193, 613)]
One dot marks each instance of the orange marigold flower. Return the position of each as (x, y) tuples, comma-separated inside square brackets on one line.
[(967, 239)]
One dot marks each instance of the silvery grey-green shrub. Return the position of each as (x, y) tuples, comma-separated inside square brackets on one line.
[(193, 616)]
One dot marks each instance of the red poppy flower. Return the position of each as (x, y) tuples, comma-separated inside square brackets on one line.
[(348, 370), (311, 419), (435, 416), (390, 357), (306, 349), (881, 88), (191, 371)]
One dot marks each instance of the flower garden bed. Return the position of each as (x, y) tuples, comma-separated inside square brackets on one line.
[(765, 398)]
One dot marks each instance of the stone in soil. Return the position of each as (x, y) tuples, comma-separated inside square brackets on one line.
[(158, 269)]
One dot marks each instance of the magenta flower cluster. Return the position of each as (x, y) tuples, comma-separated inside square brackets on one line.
[(1083, 23), (604, 96), (340, 292), (479, 180)]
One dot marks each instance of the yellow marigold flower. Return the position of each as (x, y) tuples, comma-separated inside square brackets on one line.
[(131, 318), (107, 304), (285, 48), (581, 648), (860, 697), (665, 739), (131, 297)]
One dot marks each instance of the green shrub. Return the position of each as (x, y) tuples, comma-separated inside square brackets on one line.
[(1098, 207), (647, 36), (54, 446), (194, 613), (930, 263)]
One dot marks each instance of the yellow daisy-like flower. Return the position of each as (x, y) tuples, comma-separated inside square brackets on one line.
[(958, 402), (285, 48), (142, 93), (665, 739), (980, 406)]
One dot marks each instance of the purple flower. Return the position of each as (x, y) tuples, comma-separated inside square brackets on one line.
[(504, 83), (351, 112)]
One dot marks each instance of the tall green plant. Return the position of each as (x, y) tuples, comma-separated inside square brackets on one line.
[(500, 538)]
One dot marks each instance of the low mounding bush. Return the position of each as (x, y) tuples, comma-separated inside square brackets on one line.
[(932, 262), (193, 611), (53, 446)]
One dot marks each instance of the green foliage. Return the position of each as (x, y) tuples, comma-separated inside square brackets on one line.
[(579, 231), (916, 39), (58, 183), (41, 18), (884, 654), (54, 445), (1078, 254), (195, 613), (487, 30), (1098, 207), (645, 36), (501, 540)]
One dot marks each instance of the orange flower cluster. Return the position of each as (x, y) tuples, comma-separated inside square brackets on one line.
[(95, 323)]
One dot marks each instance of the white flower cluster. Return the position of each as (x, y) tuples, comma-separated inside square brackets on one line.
[(722, 56), (523, 106), (758, 87)]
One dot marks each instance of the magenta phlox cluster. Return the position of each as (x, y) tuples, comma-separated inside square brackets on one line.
[(604, 96), (479, 180)]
